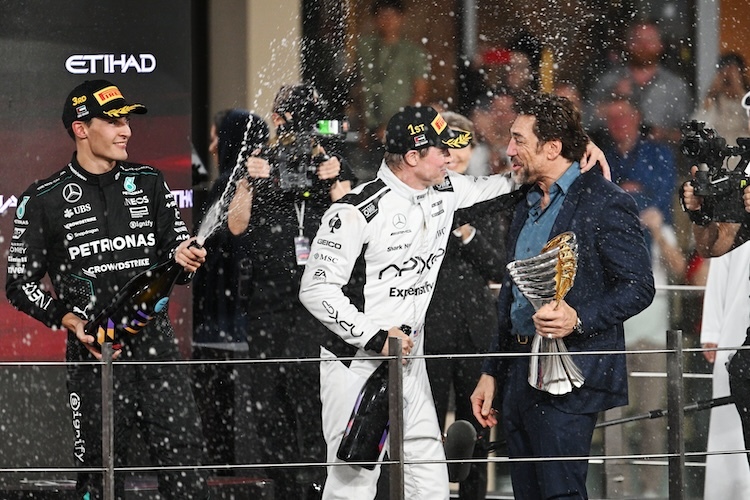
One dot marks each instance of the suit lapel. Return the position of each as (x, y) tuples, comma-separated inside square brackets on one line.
[(568, 208)]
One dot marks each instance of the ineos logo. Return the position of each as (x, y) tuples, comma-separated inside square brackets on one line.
[(399, 221), (72, 193)]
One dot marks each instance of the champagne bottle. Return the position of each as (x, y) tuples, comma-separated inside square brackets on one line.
[(136, 304), (367, 430)]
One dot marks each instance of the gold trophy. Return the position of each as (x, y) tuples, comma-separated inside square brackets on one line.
[(545, 278)]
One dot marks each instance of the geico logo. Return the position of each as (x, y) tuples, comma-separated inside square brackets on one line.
[(80, 64), (331, 244), (112, 244), (140, 200), (406, 292), (416, 264)]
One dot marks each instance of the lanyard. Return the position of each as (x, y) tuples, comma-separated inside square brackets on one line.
[(300, 211)]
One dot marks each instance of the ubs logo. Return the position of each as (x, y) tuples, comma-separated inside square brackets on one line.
[(72, 193)]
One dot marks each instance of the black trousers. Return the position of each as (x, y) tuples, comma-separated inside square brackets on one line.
[(739, 387), (156, 398)]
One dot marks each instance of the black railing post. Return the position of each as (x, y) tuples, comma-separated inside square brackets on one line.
[(396, 416), (675, 415)]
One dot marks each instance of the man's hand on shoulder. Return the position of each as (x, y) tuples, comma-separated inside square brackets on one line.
[(591, 157)]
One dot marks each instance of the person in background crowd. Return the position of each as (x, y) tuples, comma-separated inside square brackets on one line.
[(570, 91), (276, 215), (461, 317), (662, 96), (522, 71), (646, 170), (393, 72), (719, 109), (547, 139), (713, 239), (219, 292), (643, 167), (126, 222), (489, 155)]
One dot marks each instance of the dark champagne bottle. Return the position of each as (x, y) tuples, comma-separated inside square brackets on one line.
[(136, 304), (367, 430)]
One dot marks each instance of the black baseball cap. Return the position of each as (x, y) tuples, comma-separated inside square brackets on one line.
[(419, 127), (97, 98)]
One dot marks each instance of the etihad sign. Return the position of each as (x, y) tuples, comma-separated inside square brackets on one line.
[(81, 64)]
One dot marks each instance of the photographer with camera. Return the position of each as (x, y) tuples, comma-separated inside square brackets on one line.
[(277, 209), (717, 201)]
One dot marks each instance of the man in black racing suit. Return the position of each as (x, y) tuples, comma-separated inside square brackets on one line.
[(91, 227)]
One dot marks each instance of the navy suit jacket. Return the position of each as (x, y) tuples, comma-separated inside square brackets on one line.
[(613, 282)]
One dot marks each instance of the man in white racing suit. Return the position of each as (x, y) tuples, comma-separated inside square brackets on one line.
[(400, 223)]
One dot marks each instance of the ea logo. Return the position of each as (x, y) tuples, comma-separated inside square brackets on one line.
[(72, 193), (129, 184), (399, 221)]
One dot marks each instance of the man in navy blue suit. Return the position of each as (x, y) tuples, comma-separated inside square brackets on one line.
[(613, 282)]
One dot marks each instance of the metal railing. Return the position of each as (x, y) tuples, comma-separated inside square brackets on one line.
[(675, 455)]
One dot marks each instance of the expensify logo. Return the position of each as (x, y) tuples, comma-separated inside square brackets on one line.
[(81, 64)]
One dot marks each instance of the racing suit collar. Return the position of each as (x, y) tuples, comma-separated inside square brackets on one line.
[(97, 179), (398, 187)]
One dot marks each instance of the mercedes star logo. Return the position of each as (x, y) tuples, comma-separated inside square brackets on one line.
[(399, 221), (72, 193)]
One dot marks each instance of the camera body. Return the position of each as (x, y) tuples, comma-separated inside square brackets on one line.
[(296, 155), (721, 188), (298, 150)]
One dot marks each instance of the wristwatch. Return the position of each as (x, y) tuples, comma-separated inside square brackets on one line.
[(578, 329)]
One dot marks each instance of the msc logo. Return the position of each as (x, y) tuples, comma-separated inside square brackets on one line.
[(81, 64)]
